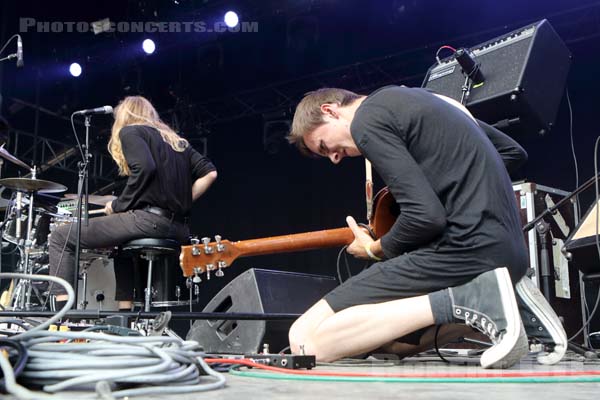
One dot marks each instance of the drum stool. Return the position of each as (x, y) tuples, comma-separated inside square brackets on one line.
[(149, 249)]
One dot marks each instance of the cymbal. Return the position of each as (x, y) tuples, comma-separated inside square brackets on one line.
[(94, 199), (9, 157), (32, 185)]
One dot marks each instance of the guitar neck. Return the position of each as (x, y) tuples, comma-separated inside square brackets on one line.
[(295, 242)]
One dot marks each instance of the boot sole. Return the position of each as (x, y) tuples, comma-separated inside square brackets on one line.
[(537, 303), (513, 345)]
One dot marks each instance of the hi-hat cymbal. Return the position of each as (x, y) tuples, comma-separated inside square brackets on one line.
[(9, 157), (32, 185), (92, 198)]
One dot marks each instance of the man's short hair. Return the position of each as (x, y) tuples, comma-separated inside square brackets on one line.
[(308, 115)]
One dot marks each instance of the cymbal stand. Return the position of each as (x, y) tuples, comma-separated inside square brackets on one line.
[(22, 292)]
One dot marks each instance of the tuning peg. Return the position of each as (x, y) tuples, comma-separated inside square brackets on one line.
[(195, 249), (209, 267), (219, 273), (220, 246), (197, 272), (207, 248)]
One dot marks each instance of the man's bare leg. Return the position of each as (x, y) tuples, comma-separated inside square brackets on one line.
[(359, 329)]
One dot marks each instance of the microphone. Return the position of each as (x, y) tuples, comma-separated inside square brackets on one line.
[(99, 110), (469, 66), (19, 52)]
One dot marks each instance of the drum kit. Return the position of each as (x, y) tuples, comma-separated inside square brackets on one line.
[(31, 214)]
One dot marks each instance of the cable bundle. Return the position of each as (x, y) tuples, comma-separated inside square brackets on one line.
[(164, 365), (160, 365)]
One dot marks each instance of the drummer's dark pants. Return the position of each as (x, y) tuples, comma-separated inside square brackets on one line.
[(107, 232)]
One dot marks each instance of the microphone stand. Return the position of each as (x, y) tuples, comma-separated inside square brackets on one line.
[(542, 228), (466, 89), (82, 203)]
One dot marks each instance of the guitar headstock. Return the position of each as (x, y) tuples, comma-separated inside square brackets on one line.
[(207, 257)]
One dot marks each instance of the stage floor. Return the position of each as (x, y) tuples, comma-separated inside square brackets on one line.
[(242, 387)]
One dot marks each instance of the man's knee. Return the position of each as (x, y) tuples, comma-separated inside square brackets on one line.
[(297, 337), (302, 330), (59, 234)]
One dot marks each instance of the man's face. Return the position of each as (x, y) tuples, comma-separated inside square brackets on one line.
[(332, 139)]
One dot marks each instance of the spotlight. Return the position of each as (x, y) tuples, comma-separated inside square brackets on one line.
[(75, 69), (231, 19), (148, 46)]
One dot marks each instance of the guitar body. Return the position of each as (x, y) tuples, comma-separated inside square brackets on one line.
[(207, 257), (385, 212)]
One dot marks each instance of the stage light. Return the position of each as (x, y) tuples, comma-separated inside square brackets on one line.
[(231, 19), (148, 46), (75, 69)]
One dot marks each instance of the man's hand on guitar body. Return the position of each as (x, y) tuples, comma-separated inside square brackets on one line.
[(363, 244)]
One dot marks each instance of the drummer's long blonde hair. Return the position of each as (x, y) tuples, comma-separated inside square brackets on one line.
[(137, 110)]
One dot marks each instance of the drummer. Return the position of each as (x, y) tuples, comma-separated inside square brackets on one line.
[(165, 175)]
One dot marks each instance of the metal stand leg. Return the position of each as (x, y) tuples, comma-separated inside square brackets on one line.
[(84, 275), (542, 228), (148, 290)]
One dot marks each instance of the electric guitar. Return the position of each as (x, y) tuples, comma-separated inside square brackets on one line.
[(212, 257)]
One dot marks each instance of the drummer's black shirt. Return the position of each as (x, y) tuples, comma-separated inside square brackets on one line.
[(447, 172), (160, 176)]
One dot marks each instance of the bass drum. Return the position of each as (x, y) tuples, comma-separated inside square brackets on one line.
[(100, 291)]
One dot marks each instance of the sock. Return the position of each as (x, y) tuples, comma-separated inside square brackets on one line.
[(441, 307)]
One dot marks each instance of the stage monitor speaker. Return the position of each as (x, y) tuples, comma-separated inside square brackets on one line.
[(258, 291), (581, 244), (525, 74)]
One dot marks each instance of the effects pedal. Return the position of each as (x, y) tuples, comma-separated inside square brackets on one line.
[(289, 361)]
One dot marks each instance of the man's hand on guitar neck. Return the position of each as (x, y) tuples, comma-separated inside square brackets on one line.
[(363, 243)]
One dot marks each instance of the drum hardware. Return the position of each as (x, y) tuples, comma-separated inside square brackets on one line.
[(25, 190), (84, 275)]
